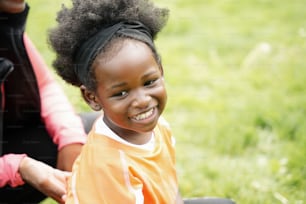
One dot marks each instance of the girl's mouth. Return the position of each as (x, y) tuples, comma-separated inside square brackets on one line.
[(144, 115)]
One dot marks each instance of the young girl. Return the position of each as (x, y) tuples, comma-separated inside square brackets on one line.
[(106, 48)]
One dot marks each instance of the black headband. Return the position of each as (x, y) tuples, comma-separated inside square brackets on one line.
[(89, 49)]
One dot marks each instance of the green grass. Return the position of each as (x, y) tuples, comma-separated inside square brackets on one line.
[(236, 80)]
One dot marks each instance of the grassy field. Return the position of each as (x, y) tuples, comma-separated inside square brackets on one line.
[(236, 80)]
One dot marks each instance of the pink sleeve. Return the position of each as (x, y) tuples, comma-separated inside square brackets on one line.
[(9, 165), (62, 123)]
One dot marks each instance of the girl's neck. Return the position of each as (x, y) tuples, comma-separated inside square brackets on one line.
[(137, 138)]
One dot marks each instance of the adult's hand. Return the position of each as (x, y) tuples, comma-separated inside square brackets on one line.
[(12, 6), (67, 155), (50, 181)]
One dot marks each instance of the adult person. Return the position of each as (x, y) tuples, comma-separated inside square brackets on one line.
[(40, 134)]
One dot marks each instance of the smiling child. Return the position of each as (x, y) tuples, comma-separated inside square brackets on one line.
[(107, 49)]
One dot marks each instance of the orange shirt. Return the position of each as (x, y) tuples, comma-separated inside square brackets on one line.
[(109, 171)]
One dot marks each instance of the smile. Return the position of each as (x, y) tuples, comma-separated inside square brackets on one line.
[(144, 115)]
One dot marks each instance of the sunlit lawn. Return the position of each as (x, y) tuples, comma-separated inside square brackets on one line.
[(236, 80)]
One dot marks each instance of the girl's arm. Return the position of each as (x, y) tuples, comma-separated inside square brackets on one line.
[(179, 199)]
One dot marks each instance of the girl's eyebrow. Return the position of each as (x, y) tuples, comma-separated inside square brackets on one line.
[(118, 85), (123, 84), (148, 74)]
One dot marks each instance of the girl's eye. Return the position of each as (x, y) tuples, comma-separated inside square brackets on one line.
[(120, 94), (150, 82)]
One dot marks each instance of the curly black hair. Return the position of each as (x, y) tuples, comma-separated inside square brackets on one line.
[(87, 17)]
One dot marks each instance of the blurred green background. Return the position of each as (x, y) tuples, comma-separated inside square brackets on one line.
[(236, 79)]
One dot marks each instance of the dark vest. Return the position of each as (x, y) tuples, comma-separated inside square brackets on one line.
[(20, 90)]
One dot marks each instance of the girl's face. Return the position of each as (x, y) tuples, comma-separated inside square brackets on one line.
[(131, 91)]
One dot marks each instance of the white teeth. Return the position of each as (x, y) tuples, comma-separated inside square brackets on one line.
[(144, 115)]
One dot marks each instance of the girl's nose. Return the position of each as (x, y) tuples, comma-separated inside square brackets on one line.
[(141, 100)]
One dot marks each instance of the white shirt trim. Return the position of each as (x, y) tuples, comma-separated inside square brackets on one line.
[(103, 129)]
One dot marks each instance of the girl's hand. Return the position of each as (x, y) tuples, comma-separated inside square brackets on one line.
[(50, 181), (67, 155)]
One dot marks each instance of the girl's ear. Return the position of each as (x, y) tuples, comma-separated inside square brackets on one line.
[(90, 98), (161, 69)]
